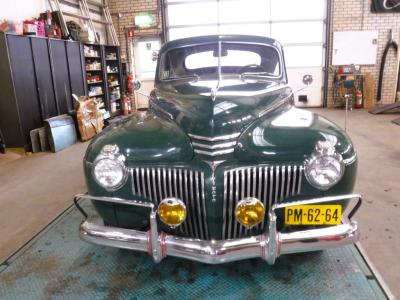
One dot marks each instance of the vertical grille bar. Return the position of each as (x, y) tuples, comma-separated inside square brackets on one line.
[(225, 201), (193, 204), (203, 203), (198, 203), (164, 179), (169, 178), (294, 179), (149, 184), (231, 200), (132, 181), (187, 197), (283, 187), (289, 181), (269, 184), (156, 200), (300, 177), (236, 225), (143, 183), (137, 179), (159, 191), (277, 169)]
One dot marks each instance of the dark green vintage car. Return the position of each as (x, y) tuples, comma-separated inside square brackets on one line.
[(222, 166)]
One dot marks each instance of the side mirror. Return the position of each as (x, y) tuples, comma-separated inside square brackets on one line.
[(136, 85), (308, 79), (154, 56)]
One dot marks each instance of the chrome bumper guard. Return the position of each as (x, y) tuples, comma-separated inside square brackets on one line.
[(268, 246)]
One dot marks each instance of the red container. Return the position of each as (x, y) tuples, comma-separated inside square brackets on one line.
[(40, 28)]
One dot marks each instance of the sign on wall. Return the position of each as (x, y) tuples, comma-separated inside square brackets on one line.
[(354, 47), (382, 6)]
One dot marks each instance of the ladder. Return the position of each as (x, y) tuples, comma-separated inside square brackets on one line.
[(87, 9)]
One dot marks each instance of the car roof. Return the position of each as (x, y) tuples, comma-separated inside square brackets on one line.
[(216, 38)]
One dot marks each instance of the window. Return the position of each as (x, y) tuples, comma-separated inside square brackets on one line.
[(232, 58), (236, 58)]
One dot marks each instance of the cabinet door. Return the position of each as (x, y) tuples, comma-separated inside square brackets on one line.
[(75, 66), (44, 80), (62, 85), (23, 71)]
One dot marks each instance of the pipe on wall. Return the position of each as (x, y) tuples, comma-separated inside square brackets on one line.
[(327, 49)]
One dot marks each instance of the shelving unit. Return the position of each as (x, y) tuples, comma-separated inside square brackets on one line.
[(94, 68), (113, 79), (103, 75)]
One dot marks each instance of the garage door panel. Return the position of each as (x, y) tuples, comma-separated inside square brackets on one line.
[(303, 56), (232, 11), (298, 32), (178, 33), (297, 10), (193, 13), (255, 29)]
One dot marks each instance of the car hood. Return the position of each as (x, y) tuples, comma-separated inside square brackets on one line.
[(201, 109)]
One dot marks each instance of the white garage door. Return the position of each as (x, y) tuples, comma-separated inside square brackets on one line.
[(298, 24)]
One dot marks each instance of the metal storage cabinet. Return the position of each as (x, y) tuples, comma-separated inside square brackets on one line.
[(61, 77), (37, 79), (76, 68), (19, 103), (45, 88)]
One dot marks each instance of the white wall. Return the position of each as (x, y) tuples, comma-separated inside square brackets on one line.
[(21, 9)]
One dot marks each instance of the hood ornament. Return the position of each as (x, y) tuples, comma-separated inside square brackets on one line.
[(214, 165), (214, 91)]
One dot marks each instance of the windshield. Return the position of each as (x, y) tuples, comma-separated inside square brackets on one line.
[(235, 58)]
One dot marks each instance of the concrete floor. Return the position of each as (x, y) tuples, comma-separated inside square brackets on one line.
[(35, 189)]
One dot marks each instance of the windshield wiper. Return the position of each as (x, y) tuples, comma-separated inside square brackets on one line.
[(194, 76), (258, 75)]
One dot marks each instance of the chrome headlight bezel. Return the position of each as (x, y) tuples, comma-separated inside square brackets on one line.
[(324, 150), (111, 153)]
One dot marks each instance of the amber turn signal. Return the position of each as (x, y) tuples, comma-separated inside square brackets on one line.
[(172, 212), (250, 212)]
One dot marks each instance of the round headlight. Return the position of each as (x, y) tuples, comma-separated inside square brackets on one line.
[(109, 169), (325, 167), (109, 173)]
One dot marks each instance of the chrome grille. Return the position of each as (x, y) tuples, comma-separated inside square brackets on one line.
[(269, 184), (214, 146), (187, 185)]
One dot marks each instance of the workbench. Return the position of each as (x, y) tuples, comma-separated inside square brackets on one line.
[(56, 264)]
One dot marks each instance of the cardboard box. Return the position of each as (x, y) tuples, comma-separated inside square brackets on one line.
[(89, 117)]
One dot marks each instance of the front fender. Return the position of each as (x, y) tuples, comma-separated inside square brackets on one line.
[(289, 134), (145, 138)]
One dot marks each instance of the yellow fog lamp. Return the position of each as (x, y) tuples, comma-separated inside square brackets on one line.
[(172, 212), (249, 212)]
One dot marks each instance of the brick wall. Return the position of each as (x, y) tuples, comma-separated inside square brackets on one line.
[(127, 10), (356, 15)]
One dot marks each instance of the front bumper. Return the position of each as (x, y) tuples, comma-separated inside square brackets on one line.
[(267, 246)]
